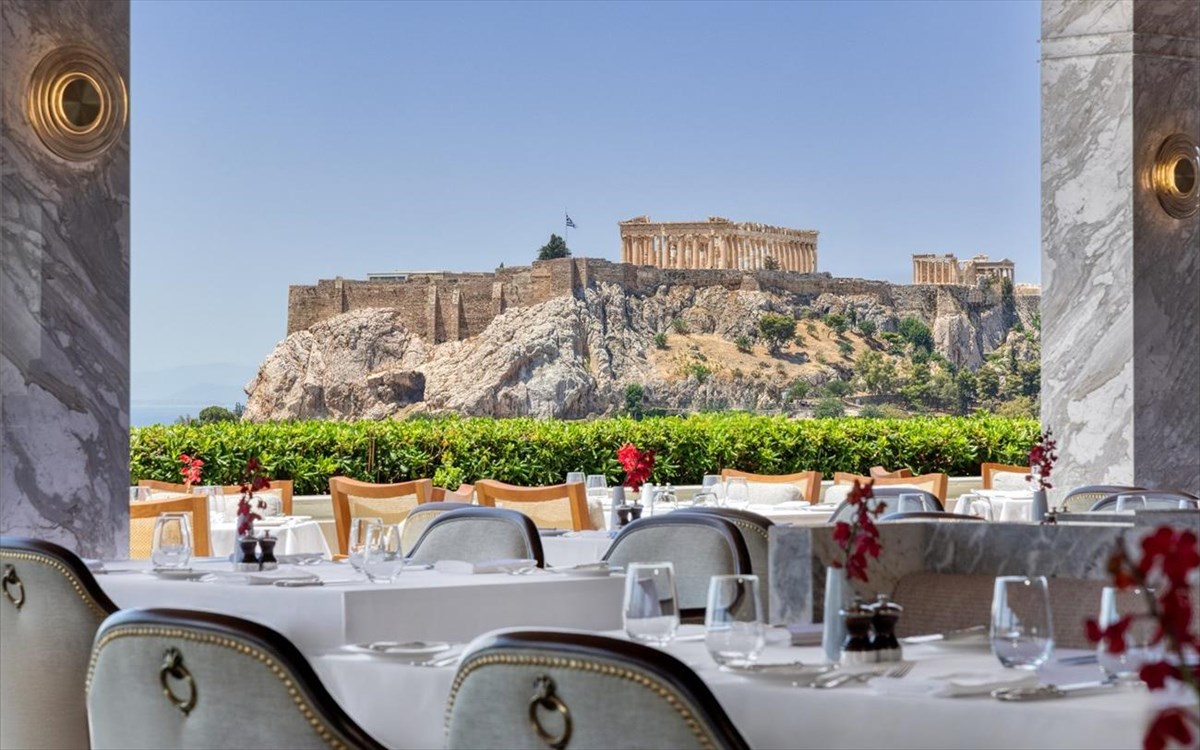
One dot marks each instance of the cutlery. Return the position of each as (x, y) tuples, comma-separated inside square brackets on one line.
[(1084, 659), (1048, 692), (841, 678), (441, 661)]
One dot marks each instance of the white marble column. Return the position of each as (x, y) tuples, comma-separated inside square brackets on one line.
[(1120, 309)]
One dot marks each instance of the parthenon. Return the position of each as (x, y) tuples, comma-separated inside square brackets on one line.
[(945, 269), (717, 243)]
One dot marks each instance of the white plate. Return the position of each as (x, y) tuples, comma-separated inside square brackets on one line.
[(280, 520), (789, 672), (411, 651), (179, 574), (587, 570)]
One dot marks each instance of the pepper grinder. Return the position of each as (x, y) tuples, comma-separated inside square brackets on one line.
[(267, 561), (857, 648), (884, 616), (248, 559)]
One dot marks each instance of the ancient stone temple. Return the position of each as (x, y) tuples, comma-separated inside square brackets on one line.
[(717, 243), (946, 269)]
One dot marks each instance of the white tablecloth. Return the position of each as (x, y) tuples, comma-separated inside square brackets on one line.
[(422, 605), (579, 547), (295, 538), (1009, 505), (774, 714)]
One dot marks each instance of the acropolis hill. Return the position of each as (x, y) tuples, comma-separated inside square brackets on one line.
[(447, 306)]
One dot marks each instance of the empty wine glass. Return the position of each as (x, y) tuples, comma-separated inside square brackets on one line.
[(704, 499), (574, 477), (913, 502), (139, 494), (216, 501), (737, 492), (597, 487), (382, 559), (651, 612), (172, 542), (1115, 604), (357, 544), (1130, 503), (710, 481), (1022, 632), (733, 621)]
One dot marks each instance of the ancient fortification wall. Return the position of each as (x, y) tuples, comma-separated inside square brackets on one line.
[(448, 306)]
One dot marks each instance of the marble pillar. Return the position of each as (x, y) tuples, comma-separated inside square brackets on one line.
[(64, 297), (1120, 307)]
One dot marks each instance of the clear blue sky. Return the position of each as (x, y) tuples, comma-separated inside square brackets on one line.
[(277, 143)]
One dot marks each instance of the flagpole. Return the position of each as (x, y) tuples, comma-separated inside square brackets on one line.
[(566, 228)]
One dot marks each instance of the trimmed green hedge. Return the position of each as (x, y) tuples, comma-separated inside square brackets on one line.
[(529, 451)]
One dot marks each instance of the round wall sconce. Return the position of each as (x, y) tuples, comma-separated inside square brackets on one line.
[(77, 103), (1176, 176)]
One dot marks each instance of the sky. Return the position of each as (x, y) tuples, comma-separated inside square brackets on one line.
[(280, 142)]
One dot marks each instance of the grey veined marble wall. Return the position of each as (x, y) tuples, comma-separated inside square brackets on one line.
[(1120, 277), (64, 294)]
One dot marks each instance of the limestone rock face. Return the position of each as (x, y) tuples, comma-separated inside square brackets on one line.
[(573, 357)]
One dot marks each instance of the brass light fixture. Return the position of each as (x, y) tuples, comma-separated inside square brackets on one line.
[(77, 103), (1176, 176)]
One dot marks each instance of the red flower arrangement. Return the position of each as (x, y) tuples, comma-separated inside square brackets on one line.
[(1169, 559), (253, 479), (638, 465), (1042, 456), (191, 469), (859, 537)]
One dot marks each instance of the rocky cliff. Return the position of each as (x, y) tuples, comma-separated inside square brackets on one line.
[(574, 356)]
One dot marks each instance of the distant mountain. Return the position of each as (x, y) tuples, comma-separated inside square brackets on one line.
[(219, 383)]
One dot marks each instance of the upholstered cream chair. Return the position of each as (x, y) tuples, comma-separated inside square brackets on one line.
[(162, 678), (699, 546), (808, 482), (143, 514), (888, 495), (558, 506), (536, 690), (756, 533), (477, 534), (1083, 498), (1004, 477), (419, 518), (1155, 500), (934, 484), (391, 502), (50, 608)]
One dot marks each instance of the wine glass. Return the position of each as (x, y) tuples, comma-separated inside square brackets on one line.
[(704, 499), (382, 558), (733, 621), (358, 538), (1022, 632), (737, 492), (139, 494), (216, 501), (710, 481), (172, 542), (911, 502), (1130, 503), (574, 477), (597, 488), (651, 612), (1114, 604)]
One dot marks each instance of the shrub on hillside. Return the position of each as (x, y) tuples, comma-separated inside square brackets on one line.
[(829, 407), (660, 340)]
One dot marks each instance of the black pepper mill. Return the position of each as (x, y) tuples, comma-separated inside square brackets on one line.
[(885, 615), (267, 561), (857, 648)]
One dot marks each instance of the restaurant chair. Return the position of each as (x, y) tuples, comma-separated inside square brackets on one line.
[(532, 689), (464, 494), (700, 546), (1083, 498), (936, 516), (166, 678), (767, 491), (352, 498), (556, 506), (167, 490), (419, 518), (50, 608), (890, 495), (935, 484), (143, 514), (280, 488), (1005, 477), (878, 472), (478, 534), (1155, 500), (756, 531)]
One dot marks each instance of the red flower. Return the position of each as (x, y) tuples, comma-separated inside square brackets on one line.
[(859, 537), (1043, 455), (191, 469), (638, 465), (1113, 636), (1170, 724), (1155, 675)]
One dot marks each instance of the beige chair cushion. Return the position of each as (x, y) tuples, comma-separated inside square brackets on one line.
[(473, 540), (546, 514), (773, 493), (1010, 480), (837, 493), (390, 509), (697, 552), (141, 537)]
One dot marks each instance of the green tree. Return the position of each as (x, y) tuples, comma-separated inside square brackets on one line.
[(845, 347), (837, 322), (776, 330), (917, 333), (876, 372), (867, 328), (211, 414), (828, 407), (770, 264), (743, 343), (555, 248), (797, 391), (967, 386), (987, 383), (635, 398), (837, 388)]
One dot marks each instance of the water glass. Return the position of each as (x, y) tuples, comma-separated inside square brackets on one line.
[(382, 557), (733, 623), (1130, 503), (704, 499), (651, 612), (1114, 604), (737, 492), (357, 545), (1022, 631), (216, 501), (911, 503), (575, 477), (172, 543), (710, 481), (597, 487), (139, 494)]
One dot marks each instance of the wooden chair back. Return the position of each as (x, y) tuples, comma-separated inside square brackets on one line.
[(166, 490), (878, 472), (464, 494), (935, 484), (989, 473), (391, 502), (555, 506), (283, 487), (809, 482), (141, 524)]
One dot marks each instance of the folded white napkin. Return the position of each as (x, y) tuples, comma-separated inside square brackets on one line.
[(957, 684), (267, 577), (486, 566)]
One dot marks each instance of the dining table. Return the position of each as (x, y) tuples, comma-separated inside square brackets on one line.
[(781, 711), (328, 604), (295, 535)]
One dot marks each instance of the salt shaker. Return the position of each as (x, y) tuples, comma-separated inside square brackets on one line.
[(884, 616), (857, 648)]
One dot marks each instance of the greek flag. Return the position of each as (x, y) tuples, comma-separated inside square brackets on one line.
[(570, 223)]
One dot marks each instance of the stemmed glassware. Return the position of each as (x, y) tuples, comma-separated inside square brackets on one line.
[(575, 476), (357, 546), (1022, 631), (733, 621), (912, 503), (172, 541), (1130, 503), (216, 501), (383, 559), (1115, 603), (651, 611), (737, 492)]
